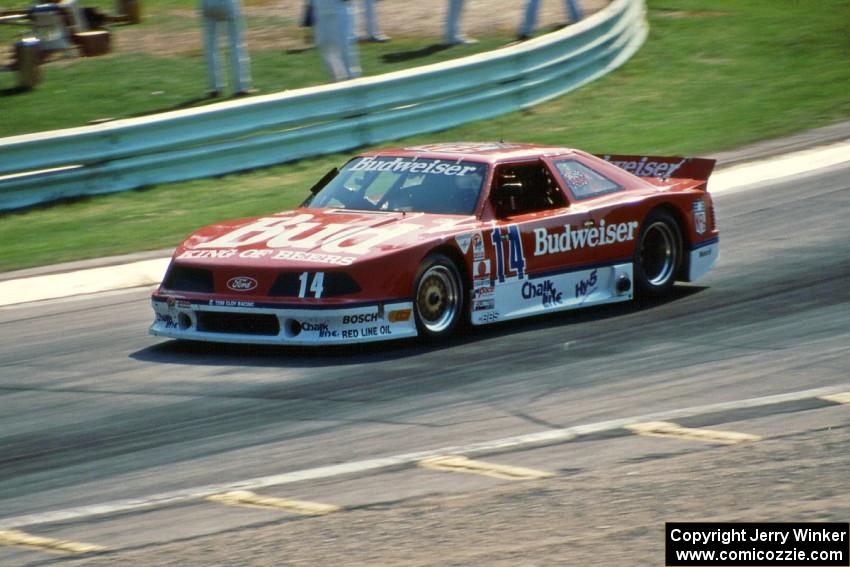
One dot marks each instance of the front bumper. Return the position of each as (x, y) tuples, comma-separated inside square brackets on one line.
[(267, 324)]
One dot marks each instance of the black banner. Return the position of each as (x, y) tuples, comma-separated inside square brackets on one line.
[(756, 544)]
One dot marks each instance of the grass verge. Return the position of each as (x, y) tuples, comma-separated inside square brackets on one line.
[(76, 92), (714, 74)]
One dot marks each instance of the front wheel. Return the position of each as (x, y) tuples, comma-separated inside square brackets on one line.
[(657, 255), (437, 297)]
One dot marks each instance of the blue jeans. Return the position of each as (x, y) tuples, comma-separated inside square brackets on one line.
[(218, 14), (530, 20)]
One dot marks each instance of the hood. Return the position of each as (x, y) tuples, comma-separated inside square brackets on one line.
[(309, 236)]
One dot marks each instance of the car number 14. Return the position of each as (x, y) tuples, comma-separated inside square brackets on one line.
[(516, 257), (315, 287)]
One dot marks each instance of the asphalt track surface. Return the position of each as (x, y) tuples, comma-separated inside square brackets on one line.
[(93, 410)]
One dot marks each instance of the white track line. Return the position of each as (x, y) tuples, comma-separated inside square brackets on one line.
[(737, 177), (548, 437), (82, 282)]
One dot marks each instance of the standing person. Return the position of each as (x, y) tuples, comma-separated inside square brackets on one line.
[(530, 20), (333, 29), (370, 16), (453, 35), (217, 14)]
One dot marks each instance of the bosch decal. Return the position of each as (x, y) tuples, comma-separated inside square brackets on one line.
[(360, 319), (241, 284)]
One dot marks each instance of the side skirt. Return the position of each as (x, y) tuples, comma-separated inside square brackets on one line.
[(532, 295)]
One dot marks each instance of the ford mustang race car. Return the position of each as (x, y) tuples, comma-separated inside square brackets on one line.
[(421, 240)]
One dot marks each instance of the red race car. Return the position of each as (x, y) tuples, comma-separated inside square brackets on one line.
[(418, 241)]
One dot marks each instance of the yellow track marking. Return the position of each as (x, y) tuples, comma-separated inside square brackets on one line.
[(247, 498), (462, 464), (842, 398), (667, 429), (23, 539)]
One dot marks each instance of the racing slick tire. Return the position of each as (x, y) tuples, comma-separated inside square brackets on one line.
[(438, 294), (658, 254)]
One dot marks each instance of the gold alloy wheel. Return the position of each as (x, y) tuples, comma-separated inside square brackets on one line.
[(438, 299)]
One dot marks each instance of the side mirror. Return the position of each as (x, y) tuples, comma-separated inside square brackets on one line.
[(320, 184)]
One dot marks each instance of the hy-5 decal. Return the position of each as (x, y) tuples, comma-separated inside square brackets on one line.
[(587, 286)]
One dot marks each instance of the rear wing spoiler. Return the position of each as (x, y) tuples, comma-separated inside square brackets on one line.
[(663, 167)]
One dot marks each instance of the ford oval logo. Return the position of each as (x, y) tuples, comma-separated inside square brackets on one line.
[(241, 283)]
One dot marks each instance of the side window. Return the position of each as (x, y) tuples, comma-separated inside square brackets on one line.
[(535, 190), (583, 181)]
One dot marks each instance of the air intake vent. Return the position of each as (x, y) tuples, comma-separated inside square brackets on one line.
[(180, 278), (238, 323)]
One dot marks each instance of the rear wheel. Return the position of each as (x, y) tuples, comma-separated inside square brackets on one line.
[(437, 297), (657, 255)]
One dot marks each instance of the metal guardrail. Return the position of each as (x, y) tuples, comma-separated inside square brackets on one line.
[(272, 129)]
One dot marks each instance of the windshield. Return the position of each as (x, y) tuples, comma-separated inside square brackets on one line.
[(404, 184)]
